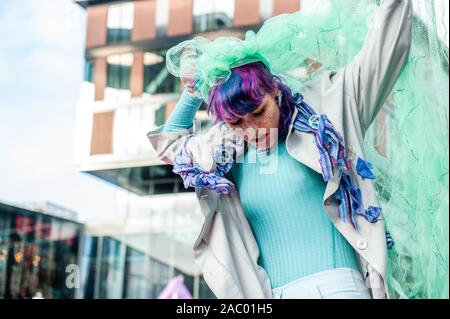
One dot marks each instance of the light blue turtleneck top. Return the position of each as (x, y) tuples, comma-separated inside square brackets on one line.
[(282, 200)]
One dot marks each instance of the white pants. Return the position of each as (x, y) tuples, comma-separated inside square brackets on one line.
[(339, 283)]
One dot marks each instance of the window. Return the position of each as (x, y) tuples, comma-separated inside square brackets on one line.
[(135, 283), (35, 249), (213, 15), (118, 76), (89, 70), (119, 68), (160, 115), (156, 77), (162, 17), (120, 22)]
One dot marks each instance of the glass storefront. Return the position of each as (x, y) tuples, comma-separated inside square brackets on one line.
[(115, 270), (35, 251)]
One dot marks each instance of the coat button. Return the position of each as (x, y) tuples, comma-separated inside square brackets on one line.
[(351, 156), (361, 244), (350, 152)]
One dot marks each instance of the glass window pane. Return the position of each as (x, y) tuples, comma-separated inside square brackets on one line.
[(157, 79), (213, 14), (120, 22), (89, 70), (119, 70), (160, 115), (118, 76)]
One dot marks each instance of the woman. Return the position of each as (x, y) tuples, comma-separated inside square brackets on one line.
[(290, 210)]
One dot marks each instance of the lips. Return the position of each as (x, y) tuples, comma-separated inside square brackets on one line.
[(260, 140)]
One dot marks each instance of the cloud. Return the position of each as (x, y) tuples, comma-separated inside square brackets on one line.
[(43, 37)]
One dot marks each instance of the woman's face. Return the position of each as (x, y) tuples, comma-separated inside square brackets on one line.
[(260, 127)]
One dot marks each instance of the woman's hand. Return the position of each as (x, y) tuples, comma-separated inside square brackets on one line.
[(192, 85), (190, 76)]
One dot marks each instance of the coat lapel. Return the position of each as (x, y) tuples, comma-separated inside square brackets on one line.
[(301, 146)]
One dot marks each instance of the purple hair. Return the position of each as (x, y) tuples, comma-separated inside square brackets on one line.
[(244, 91)]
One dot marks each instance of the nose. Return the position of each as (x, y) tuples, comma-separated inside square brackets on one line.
[(251, 129)]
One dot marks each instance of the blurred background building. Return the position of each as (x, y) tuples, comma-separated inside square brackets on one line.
[(127, 92), (36, 246)]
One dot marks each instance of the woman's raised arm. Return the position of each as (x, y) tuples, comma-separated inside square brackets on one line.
[(170, 138), (182, 116), (372, 74), (193, 156)]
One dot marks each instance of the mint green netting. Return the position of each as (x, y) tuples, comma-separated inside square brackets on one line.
[(329, 31), (413, 178), (408, 143)]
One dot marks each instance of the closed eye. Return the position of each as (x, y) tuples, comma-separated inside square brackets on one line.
[(261, 111), (235, 122)]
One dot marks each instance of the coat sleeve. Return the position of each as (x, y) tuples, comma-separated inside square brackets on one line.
[(168, 144), (202, 160), (170, 138), (199, 147), (373, 72)]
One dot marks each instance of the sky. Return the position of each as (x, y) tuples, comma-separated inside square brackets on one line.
[(41, 69)]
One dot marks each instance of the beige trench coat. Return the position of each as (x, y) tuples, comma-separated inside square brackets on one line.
[(351, 97)]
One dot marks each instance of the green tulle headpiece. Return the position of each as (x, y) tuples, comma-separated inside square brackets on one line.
[(278, 44)]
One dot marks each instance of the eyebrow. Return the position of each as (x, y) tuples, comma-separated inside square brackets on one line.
[(261, 106)]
